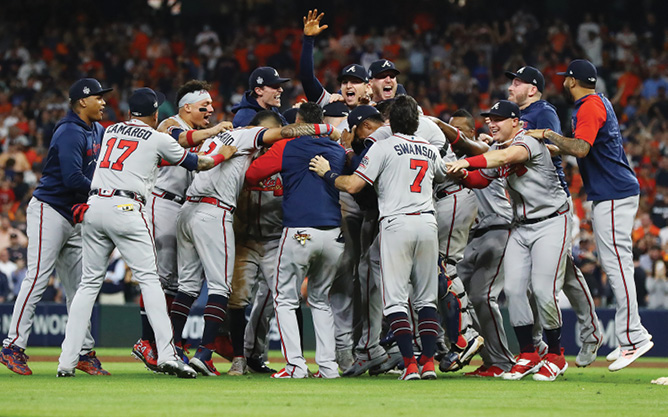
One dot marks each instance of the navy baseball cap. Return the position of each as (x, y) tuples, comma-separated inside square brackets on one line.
[(336, 109), (360, 114), (87, 87), (582, 70), (290, 115), (353, 70), (503, 108), (381, 66), (144, 102), (265, 76), (529, 75)]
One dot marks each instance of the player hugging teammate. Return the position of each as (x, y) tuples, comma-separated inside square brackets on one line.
[(407, 227)]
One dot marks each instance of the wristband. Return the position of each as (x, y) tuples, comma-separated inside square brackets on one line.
[(459, 134), (323, 129), (544, 131), (330, 177), (466, 174), (217, 159), (478, 161), (189, 138)]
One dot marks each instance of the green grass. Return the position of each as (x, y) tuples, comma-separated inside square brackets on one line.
[(133, 391)]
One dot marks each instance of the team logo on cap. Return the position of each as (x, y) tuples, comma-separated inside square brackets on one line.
[(351, 69), (591, 79), (386, 64), (276, 73), (495, 106), (521, 70), (86, 90), (259, 80), (155, 104), (302, 237)]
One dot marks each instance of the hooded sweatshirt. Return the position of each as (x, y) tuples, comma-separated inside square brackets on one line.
[(248, 108)]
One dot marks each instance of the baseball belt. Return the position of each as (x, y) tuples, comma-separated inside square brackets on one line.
[(212, 201), (169, 196), (120, 193)]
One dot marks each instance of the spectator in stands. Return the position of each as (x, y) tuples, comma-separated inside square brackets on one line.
[(657, 283)]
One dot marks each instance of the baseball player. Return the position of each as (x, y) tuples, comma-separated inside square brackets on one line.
[(311, 244), (264, 94), (402, 169), (481, 268), (537, 246), (188, 127), (124, 176), (526, 91), (206, 241), (613, 188), (53, 239)]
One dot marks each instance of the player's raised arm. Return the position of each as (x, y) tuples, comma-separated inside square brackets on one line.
[(299, 129), (193, 137), (312, 87)]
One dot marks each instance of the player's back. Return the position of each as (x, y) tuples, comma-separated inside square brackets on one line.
[(129, 157), (225, 181), (175, 179), (404, 183)]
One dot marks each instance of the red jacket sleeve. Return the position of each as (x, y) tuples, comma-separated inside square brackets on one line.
[(591, 117), (475, 180), (266, 165)]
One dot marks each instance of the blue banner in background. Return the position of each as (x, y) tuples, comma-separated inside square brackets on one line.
[(48, 327)]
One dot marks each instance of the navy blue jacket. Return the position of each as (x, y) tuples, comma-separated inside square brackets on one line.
[(248, 108), (308, 201), (70, 163)]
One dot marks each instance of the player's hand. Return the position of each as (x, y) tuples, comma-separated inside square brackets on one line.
[(319, 165), (456, 166), (224, 126), (484, 137), (78, 211), (335, 97), (347, 137), (227, 151), (537, 133), (554, 149), (312, 23), (336, 135)]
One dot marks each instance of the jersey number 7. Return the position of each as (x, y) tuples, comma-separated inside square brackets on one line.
[(422, 166), (129, 146)]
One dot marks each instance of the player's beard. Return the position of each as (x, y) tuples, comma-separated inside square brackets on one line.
[(568, 95)]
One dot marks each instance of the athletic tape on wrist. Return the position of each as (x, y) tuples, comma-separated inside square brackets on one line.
[(194, 97)]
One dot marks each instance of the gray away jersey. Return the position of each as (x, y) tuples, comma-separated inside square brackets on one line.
[(402, 169), (534, 187), (175, 179), (130, 155), (225, 181), (494, 209)]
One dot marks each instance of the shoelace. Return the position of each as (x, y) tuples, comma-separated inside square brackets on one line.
[(22, 356)]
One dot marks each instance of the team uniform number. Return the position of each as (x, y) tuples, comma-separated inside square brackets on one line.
[(421, 166), (128, 147)]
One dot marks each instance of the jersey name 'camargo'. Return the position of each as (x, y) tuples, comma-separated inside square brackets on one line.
[(137, 132)]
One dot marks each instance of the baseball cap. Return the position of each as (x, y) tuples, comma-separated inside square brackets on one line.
[(290, 114), (503, 108), (87, 87), (529, 75), (336, 109), (582, 70), (145, 102), (360, 114), (353, 70), (263, 76), (382, 65)]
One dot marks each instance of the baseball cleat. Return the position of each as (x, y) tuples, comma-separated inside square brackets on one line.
[(239, 366), (453, 361), (258, 366), (65, 374), (90, 364), (144, 351), (323, 376), (587, 353), (205, 368), (525, 363), (441, 350), (542, 348), (360, 366), (393, 360), (553, 366), (410, 373), (284, 374), (179, 368), (345, 359), (181, 352), (427, 370), (485, 372), (614, 355), (627, 357), (15, 359)]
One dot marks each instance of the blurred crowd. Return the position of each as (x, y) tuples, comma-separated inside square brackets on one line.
[(445, 64)]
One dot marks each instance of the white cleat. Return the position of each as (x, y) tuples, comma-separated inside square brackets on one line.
[(627, 357), (179, 368), (587, 353)]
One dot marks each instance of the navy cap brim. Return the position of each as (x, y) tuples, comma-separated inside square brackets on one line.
[(394, 70), (511, 75), (342, 76)]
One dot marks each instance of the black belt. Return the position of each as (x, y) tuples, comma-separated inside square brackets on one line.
[(417, 213), (444, 192), (169, 196), (481, 231), (540, 219), (120, 193)]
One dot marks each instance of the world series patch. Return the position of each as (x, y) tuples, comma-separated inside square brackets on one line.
[(301, 237), (126, 207)]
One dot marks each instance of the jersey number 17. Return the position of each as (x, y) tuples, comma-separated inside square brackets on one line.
[(129, 146)]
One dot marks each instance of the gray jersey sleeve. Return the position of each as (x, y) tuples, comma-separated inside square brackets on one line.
[(169, 149), (371, 165)]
